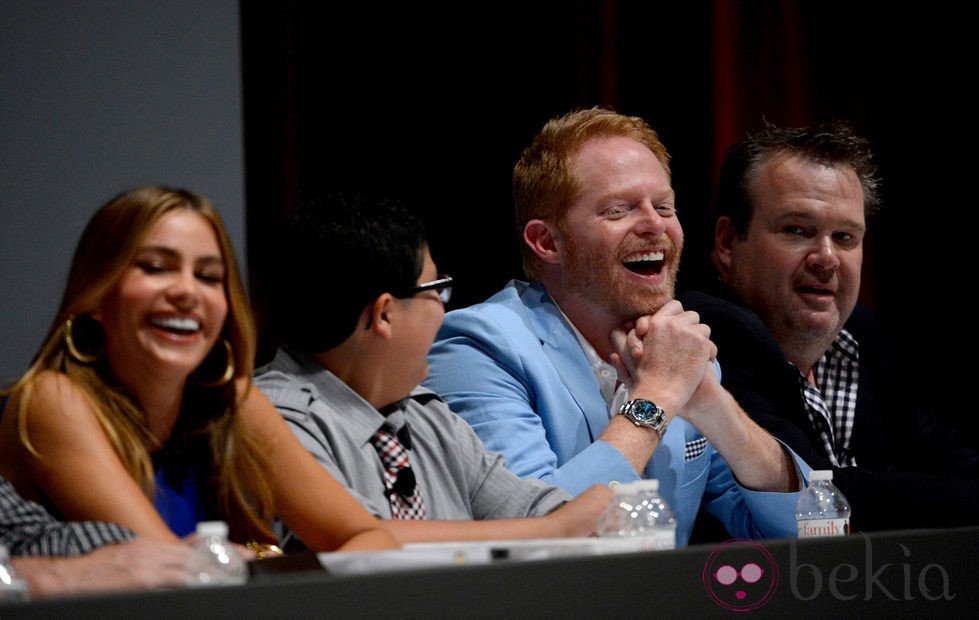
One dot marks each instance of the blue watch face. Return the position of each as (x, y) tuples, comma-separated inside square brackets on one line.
[(645, 413), (644, 410)]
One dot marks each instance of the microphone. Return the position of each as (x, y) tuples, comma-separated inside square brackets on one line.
[(404, 484)]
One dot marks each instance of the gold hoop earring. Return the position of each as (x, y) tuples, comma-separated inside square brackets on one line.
[(73, 351), (229, 368)]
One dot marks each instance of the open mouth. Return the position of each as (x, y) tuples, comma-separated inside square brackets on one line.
[(646, 264), (177, 325)]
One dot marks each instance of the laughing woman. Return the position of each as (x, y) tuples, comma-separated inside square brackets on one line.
[(138, 408)]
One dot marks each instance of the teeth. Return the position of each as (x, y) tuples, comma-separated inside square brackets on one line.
[(647, 256), (176, 322)]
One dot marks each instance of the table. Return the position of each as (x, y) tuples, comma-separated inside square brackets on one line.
[(915, 573)]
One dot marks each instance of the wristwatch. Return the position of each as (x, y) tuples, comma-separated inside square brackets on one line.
[(644, 412)]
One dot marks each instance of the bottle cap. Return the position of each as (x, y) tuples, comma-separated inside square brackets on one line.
[(623, 488), (636, 486), (649, 484), (820, 474), (212, 528)]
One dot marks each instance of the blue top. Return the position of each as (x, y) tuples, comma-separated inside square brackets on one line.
[(177, 501)]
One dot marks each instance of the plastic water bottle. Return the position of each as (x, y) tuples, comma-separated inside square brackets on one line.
[(638, 511), (12, 585), (215, 560), (822, 510)]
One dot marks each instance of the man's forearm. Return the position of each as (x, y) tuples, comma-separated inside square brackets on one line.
[(758, 461)]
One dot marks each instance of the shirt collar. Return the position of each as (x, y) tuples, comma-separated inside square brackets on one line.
[(338, 395), (605, 373), (845, 345)]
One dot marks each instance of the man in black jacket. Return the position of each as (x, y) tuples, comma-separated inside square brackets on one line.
[(801, 355)]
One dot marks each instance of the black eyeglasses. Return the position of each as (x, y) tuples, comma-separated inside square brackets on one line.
[(443, 285)]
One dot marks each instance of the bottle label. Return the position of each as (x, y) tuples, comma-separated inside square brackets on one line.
[(812, 528), (653, 540)]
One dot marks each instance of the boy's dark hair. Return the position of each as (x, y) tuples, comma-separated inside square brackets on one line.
[(335, 254)]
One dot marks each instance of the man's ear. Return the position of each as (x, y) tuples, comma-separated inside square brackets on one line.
[(724, 236), (538, 235), (380, 314)]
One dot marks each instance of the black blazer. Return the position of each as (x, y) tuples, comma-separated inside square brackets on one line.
[(912, 471)]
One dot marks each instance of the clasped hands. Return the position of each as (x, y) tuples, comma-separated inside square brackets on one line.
[(665, 357)]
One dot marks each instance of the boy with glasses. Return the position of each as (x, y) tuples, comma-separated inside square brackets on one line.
[(346, 378)]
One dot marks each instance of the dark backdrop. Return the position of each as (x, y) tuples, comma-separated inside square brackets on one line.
[(436, 104)]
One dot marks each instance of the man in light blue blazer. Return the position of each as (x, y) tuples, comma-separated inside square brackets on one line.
[(592, 372)]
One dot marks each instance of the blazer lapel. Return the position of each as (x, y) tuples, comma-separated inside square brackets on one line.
[(561, 346)]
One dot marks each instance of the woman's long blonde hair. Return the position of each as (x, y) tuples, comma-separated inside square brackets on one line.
[(236, 488)]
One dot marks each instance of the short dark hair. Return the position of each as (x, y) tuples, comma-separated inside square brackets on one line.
[(335, 254), (831, 143)]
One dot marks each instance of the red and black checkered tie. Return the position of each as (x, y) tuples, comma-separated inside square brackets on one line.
[(402, 491)]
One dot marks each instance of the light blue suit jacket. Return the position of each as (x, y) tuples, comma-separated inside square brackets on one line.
[(513, 368)]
